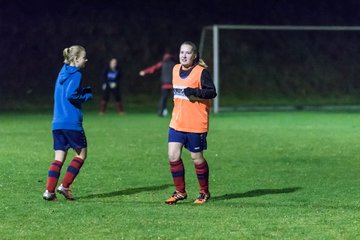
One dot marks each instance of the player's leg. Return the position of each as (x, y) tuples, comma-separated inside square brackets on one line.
[(162, 102), (71, 173), (202, 172), (176, 166), (197, 143), (118, 99), (77, 141), (167, 95), (74, 167), (60, 147), (105, 98)]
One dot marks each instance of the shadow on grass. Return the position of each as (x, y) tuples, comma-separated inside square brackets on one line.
[(128, 191), (255, 193)]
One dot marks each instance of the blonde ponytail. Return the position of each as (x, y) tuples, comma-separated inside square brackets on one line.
[(66, 54), (202, 63), (71, 52)]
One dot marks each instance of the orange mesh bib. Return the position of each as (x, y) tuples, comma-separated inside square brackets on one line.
[(190, 114)]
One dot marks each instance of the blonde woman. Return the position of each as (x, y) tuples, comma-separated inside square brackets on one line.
[(193, 89), (67, 126)]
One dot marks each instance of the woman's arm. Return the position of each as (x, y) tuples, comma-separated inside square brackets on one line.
[(207, 90), (151, 69), (74, 93)]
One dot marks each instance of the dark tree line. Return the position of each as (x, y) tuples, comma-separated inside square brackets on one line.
[(34, 33)]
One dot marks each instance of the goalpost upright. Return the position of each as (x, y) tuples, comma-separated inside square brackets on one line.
[(216, 42)]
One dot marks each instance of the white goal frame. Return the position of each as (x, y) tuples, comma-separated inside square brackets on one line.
[(216, 42)]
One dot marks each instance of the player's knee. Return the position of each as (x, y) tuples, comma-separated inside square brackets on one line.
[(81, 153), (173, 157), (82, 156), (198, 158), (198, 161)]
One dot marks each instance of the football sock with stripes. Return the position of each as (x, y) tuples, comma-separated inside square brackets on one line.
[(53, 175), (178, 174), (202, 172), (71, 172)]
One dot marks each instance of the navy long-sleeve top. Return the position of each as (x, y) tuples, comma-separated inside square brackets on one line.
[(207, 90)]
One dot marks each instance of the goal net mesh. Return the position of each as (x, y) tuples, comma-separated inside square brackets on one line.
[(274, 67)]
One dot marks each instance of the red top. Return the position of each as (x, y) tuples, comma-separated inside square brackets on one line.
[(153, 68), (156, 66), (166, 64)]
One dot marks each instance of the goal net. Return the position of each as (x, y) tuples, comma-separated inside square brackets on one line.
[(282, 66)]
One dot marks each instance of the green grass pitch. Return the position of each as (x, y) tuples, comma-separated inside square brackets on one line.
[(290, 175)]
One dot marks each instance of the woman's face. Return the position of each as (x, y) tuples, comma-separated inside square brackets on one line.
[(113, 63), (186, 55), (81, 60)]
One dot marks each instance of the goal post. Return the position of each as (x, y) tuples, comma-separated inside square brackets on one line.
[(216, 32)]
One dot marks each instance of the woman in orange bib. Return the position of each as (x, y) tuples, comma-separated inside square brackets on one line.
[(193, 89)]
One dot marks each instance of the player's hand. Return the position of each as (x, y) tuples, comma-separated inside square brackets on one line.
[(104, 86), (89, 96), (190, 91), (87, 89)]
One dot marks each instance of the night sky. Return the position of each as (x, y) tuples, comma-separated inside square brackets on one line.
[(189, 13), (33, 33)]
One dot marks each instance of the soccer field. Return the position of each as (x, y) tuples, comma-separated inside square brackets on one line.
[(286, 175)]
